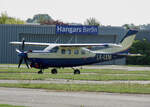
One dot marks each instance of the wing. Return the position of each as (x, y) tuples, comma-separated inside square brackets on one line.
[(30, 43), (90, 44), (67, 45)]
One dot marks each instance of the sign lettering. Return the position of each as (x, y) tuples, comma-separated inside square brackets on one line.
[(76, 29)]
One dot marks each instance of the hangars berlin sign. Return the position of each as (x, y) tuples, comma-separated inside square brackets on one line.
[(77, 29)]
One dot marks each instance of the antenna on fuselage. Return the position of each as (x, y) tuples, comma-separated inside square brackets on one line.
[(57, 40), (70, 40)]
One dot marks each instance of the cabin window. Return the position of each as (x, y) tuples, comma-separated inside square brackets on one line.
[(68, 51), (54, 50), (82, 52), (63, 51), (76, 52)]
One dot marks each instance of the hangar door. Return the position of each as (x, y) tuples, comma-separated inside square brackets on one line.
[(49, 38)]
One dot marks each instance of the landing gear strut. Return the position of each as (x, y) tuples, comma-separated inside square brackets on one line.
[(76, 71), (54, 71), (40, 72)]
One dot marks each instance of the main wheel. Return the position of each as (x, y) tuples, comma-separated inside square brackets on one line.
[(40, 72), (76, 71), (54, 71)]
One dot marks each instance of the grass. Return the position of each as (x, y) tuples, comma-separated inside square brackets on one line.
[(99, 71), (85, 65), (13, 69), (95, 77), (113, 88), (7, 105), (12, 73), (99, 74), (102, 71), (138, 65)]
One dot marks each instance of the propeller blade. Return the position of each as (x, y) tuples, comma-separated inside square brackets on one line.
[(23, 44), (25, 60), (20, 62), (17, 50)]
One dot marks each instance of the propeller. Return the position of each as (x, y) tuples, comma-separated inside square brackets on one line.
[(22, 54)]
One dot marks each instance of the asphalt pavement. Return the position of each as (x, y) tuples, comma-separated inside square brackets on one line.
[(67, 81), (43, 98)]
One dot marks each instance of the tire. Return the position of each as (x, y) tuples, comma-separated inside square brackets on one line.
[(54, 71), (76, 71), (40, 72)]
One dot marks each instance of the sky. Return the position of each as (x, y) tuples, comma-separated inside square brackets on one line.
[(107, 12)]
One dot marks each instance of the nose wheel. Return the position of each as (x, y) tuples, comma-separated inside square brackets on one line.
[(54, 71), (76, 71)]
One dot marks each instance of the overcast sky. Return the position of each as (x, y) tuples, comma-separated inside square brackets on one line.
[(107, 12)]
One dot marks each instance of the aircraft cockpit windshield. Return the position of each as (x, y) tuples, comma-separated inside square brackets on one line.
[(54, 50), (51, 49)]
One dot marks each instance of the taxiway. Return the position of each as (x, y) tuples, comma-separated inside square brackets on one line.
[(44, 98)]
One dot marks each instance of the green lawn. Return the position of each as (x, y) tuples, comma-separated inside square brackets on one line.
[(100, 71), (99, 74), (113, 88), (96, 77), (12, 73), (7, 105), (138, 65)]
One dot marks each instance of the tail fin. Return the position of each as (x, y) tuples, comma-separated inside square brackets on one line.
[(129, 37), (126, 43)]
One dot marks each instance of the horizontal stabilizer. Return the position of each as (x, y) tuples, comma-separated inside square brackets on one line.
[(128, 54)]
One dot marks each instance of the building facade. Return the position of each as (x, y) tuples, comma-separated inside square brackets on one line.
[(47, 33)]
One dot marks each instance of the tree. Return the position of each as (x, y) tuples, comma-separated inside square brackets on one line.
[(130, 26), (44, 19), (52, 22), (39, 18), (92, 21), (140, 47), (5, 19)]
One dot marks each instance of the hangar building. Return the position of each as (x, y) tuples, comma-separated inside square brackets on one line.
[(47, 33)]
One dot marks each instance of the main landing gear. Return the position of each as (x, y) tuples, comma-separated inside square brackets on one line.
[(40, 72), (76, 71), (54, 71)]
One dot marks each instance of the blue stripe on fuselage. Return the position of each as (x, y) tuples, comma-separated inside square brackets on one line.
[(62, 62), (71, 62)]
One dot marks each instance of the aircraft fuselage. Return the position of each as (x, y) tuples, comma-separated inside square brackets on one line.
[(67, 57)]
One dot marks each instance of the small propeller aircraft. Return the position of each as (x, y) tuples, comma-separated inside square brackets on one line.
[(72, 55)]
